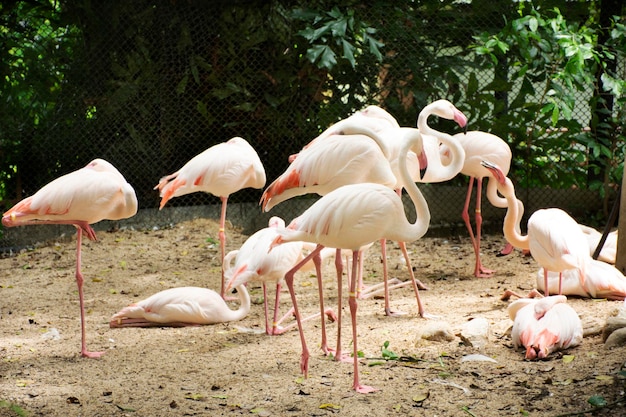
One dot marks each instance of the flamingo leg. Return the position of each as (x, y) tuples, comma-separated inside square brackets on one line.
[(356, 385), (546, 291), (289, 277), (480, 270), (339, 267), (222, 237), (79, 281)]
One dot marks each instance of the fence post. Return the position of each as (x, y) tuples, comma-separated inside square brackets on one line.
[(620, 257)]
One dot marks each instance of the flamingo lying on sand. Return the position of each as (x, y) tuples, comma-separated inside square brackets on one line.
[(544, 325), (181, 306), (83, 197)]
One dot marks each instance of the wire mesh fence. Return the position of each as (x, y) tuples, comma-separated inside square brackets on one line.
[(147, 85)]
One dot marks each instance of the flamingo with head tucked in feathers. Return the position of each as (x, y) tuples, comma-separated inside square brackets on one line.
[(350, 217), (220, 170), (83, 197), (544, 325)]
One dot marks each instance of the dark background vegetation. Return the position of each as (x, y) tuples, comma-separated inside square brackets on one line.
[(148, 84)]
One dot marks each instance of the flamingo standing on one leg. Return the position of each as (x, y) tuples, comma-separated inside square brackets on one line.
[(182, 306), (554, 239), (83, 197), (349, 218), (220, 170), (254, 262)]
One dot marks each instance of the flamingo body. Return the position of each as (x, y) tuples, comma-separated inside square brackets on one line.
[(182, 306), (609, 249), (602, 280), (83, 197), (220, 170), (544, 325)]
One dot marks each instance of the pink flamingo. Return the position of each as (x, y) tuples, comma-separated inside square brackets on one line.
[(544, 325), (349, 218), (181, 306), (371, 117), (602, 280), (554, 239), (83, 197), (220, 170), (609, 249), (482, 146), (254, 262)]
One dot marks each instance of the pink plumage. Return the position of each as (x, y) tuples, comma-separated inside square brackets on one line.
[(544, 325), (83, 197), (182, 306), (221, 170)]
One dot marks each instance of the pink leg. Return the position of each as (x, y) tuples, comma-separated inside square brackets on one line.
[(546, 291), (79, 281), (339, 267), (560, 283), (268, 330), (479, 271), (222, 238), (356, 385), (289, 277)]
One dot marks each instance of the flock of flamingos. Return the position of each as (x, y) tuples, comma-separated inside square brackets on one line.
[(359, 166)]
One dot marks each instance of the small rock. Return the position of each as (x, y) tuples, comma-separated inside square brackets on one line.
[(475, 332), (616, 338), (437, 331), (613, 324)]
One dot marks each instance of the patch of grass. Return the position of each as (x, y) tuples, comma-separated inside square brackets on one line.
[(19, 411)]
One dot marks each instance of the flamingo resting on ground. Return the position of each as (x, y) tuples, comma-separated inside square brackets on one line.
[(602, 280), (254, 262), (83, 197), (554, 239), (609, 249), (182, 306), (544, 325), (221, 170), (351, 217)]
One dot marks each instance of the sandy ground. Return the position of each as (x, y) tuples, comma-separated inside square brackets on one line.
[(227, 369)]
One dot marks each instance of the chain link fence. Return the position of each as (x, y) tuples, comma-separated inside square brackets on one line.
[(147, 85)]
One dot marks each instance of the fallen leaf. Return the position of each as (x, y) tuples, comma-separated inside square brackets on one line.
[(421, 396), (568, 358), (330, 406), (195, 397), (597, 401)]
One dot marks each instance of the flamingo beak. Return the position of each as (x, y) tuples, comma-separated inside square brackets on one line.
[(423, 163), (460, 119)]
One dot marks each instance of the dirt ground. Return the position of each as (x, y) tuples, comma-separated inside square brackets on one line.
[(226, 369)]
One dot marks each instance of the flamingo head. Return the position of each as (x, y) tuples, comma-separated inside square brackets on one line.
[(495, 171)]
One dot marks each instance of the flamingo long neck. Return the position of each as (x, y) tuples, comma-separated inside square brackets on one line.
[(413, 231), (457, 153), (512, 219), (244, 306)]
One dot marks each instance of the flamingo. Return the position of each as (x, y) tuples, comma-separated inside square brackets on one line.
[(544, 325), (220, 170), (554, 239), (255, 263), (371, 117), (182, 306), (602, 280), (482, 146), (349, 218), (93, 193)]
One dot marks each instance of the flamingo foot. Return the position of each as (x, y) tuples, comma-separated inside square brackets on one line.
[(364, 389), (91, 355), (304, 363), (429, 316), (390, 313), (508, 248), (482, 272)]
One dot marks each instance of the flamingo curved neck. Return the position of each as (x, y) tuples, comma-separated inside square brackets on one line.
[(419, 228), (244, 306), (351, 128), (512, 217), (457, 153)]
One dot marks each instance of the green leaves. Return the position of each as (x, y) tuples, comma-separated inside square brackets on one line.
[(337, 35)]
